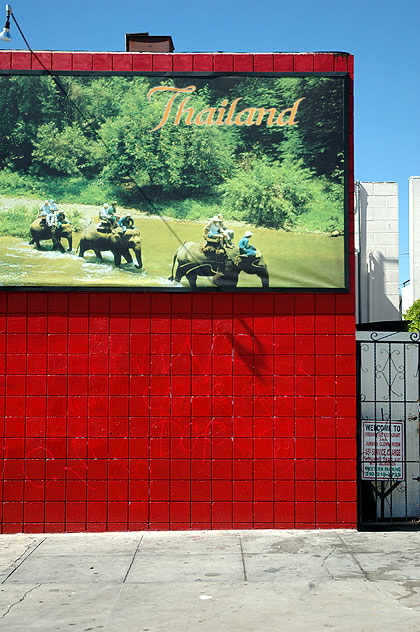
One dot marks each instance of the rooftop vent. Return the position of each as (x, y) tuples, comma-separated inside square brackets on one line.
[(145, 43)]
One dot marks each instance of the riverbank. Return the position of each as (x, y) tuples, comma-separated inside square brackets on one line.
[(294, 260)]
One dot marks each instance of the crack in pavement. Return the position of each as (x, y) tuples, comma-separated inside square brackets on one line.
[(411, 592), (330, 574), (19, 600)]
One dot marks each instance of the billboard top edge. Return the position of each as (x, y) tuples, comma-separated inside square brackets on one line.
[(268, 52), (341, 74), (136, 61)]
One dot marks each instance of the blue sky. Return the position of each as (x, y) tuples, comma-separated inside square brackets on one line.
[(382, 35)]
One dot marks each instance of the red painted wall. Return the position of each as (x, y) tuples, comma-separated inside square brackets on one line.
[(139, 411)]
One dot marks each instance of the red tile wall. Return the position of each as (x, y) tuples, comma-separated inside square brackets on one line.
[(128, 411)]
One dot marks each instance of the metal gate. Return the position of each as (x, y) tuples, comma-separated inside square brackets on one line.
[(389, 439)]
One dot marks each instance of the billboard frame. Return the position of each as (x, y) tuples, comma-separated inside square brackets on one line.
[(345, 75)]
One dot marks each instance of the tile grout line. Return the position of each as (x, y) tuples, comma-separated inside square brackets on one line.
[(123, 582), (133, 558), (243, 558), (22, 559), (354, 558)]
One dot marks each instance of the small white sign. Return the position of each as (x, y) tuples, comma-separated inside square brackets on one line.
[(383, 451)]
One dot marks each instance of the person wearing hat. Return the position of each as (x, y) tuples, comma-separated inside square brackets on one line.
[(126, 222), (245, 248), (227, 232), (50, 216), (216, 234), (212, 233), (107, 217), (214, 246)]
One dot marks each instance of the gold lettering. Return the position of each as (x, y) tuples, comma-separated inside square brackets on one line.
[(208, 114), (262, 112), (293, 111), (216, 116), (188, 111), (170, 103), (249, 114), (232, 111), (222, 111)]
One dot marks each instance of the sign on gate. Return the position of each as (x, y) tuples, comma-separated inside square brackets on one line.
[(383, 450)]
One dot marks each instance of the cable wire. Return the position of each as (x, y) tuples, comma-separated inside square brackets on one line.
[(154, 209)]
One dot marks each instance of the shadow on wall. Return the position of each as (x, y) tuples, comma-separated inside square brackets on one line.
[(379, 306), (256, 362), (378, 298)]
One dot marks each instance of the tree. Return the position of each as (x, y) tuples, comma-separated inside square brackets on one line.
[(317, 137), (413, 314), (269, 194), (26, 102), (173, 161), (65, 153)]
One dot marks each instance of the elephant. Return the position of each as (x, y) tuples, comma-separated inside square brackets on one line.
[(192, 262), (40, 232), (118, 241)]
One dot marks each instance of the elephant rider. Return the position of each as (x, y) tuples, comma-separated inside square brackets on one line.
[(108, 219), (216, 234), (43, 209), (47, 213), (126, 222), (245, 248), (215, 243), (52, 206), (112, 209), (43, 212), (60, 221), (227, 232), (51, 220)]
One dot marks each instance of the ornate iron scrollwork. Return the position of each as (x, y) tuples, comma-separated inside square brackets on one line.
[(390, 371)]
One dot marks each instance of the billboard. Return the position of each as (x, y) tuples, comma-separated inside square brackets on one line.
[(174, 181)]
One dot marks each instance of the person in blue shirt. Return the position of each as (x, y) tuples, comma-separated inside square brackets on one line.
[(126, 222), (245, 248)]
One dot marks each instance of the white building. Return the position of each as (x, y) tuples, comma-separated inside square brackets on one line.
[(411, 291), (376, 244)]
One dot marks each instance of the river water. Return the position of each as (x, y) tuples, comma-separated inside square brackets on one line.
[(294, 260)]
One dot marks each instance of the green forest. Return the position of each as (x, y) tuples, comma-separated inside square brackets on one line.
[(87, 139)]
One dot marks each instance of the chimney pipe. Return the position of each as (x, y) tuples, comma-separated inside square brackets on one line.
[(145, 43)]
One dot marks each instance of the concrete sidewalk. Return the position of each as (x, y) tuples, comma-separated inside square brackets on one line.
[(211, 581)]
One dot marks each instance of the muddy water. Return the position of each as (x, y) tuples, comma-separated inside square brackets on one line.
[(294, 260)]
